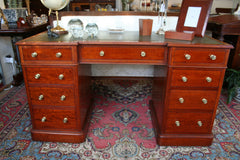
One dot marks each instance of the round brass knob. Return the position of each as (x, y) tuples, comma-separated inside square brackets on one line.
[(177, 123), (101, 53), (143, 54), (34, 54), (199, 123), (65, 120), (204, 100), (59, 54), (43, 119), (184, 79), (187, 56), (213, 57), (63, 97), (181, 100), (37, 76), (61, 76), (208, 79), (40, 97)]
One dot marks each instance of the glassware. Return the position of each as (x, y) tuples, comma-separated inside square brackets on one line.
[(92, 29), (162, 15), (75, 27), (44, 18)]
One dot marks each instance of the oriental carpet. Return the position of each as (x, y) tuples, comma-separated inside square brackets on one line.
[(120, 128)]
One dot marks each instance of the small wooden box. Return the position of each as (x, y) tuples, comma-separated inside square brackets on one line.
[(145, 27), (179, 35)]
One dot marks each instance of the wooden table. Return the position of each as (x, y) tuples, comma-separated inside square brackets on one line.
[(187, 82), (224, 25)]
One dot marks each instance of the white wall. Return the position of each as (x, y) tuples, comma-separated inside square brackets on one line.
[(128, 23)]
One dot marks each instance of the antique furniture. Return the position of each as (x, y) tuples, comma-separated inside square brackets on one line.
[(91, 5), (227, 28), (186, 84)]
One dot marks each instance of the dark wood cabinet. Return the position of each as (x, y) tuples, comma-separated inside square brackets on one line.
[(227, 28), (91, 5)]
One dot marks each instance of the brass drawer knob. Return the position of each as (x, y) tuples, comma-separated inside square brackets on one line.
[(63, 97), (65, 120), (199, 123), (204, 100), (43, 119), (184, 79), (208, 79), (37, 76), (59, 54), (187, 56), (181, 100), (34, 54), (177, 123), (143, 54), (213, 57), (101, 53), (40, 97), (61, 76)]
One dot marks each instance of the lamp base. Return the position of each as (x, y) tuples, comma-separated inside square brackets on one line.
[(59, 30)]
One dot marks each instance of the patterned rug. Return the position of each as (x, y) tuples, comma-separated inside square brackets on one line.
[(120, 129)]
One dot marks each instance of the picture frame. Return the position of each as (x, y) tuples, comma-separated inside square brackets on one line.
[(193, 16)]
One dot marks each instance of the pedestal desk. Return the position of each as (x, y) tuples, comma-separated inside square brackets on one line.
[(187, 81)]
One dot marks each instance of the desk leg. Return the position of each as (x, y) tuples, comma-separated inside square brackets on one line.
[(18, 77), (236, 56)]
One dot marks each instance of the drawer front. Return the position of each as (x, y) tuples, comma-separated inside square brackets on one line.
[(47, 53), (52, 96), (48, 75), (199, 56), (192, 99), (195, 78), (123, 54), (54, 119), (178, 122)]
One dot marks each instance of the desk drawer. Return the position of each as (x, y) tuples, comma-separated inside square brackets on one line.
[(122, 54), (51, 119), (199, 56), (52, 96), (49, 75), (196, 78), (192, 99), (47, 53), (178, 122)]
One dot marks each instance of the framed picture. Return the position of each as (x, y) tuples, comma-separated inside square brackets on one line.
[(193, 16)]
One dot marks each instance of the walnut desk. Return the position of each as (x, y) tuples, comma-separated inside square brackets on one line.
[(187, 81)]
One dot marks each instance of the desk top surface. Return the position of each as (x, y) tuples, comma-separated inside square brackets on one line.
[(224, 19), (125, 38)]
